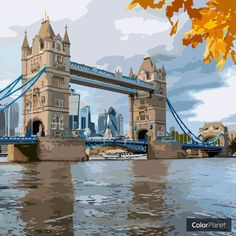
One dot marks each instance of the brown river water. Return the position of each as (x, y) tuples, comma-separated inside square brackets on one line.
[(143, 197)]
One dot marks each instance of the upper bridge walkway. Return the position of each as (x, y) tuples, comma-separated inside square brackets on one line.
[(116, 82)]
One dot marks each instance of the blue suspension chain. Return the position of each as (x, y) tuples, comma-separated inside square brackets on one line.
[(176, 116), (22, 94), (12, 85), (22, 86)]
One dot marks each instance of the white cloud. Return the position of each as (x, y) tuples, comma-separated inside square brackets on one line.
[(25, 12), (4, 83), (218, 103), (140, 26)]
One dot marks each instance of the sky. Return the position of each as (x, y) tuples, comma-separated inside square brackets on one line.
[(103, 34)]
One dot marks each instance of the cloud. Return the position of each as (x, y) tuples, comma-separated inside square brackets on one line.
[(218, 102), (140, 26), (26, 12)]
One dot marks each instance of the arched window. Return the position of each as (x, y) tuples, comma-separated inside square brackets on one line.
[(61, 122), (53, 123)]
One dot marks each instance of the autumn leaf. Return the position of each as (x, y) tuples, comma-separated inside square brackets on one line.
[(214, 24), (146, 3), (174, 28)]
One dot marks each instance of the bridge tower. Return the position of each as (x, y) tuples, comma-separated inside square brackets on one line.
[(148, 110), (46, 106)]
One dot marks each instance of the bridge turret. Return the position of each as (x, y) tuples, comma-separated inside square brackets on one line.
[(25, 51), (148, 110), (131, 73), (66, 42), (50, 108)]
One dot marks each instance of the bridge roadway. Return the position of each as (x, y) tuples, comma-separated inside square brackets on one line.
[(140, 146), (93, 77)]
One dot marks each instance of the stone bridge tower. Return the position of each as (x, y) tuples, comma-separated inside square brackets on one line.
[(46, 106), (148, 110)]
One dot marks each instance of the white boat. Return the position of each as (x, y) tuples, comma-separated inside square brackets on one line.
[(110, 156), (125, 156)]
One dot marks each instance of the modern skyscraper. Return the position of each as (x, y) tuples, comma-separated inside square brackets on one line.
[(85, 118), (9, 119), (14, 118), (120, 124), (74, 110), (112, 122), (2, 123), (102, 123)]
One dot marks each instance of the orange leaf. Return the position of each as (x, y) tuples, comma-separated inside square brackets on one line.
[(233, 54), (146, 3), (174, 28)]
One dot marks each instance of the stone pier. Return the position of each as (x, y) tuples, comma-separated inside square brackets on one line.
[(49, 149), (166, 150)]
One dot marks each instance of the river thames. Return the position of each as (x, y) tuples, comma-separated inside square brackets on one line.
[(149, 197)]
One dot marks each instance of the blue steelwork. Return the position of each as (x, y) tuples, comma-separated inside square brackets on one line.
[(215, 139), (111, 77), (100, 84), (11, 86), (33, 80), (189, 133), (201, 147), (18, 140), (140, 146)]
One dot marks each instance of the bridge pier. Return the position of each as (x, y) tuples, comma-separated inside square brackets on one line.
[(22, 152), (61, 149), (167, 150), (48, 149)]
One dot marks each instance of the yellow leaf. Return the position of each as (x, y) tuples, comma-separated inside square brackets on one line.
[(220, 64), (131, 6)]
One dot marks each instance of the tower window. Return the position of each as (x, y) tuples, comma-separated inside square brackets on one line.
[(142, 117), (58, 47), (59, 103)]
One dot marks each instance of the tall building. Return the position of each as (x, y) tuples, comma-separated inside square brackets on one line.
[(120, 124), (9, 119), (74, 110), (102, 123), (14, 118), (112, 121), (2, 123), (85, 118)]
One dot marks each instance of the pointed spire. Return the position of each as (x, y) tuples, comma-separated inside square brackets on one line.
[(131, 73), (146, 56), (25, 42), (163, 70), (154, 67), (66, 37), (46, 30)]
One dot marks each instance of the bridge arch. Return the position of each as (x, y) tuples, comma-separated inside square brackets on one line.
[(142, 135), (210, 137), (35, 127)]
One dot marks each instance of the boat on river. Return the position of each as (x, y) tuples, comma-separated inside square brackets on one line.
[(125, 156)]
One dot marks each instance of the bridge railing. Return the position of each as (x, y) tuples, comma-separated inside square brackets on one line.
[(92, 81), (16, 140), (116, 141)]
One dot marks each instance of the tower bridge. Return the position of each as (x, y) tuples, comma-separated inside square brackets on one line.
[(47, 71)]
